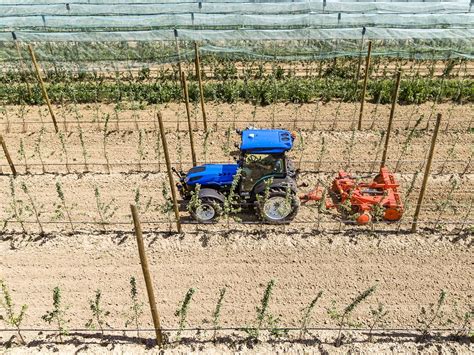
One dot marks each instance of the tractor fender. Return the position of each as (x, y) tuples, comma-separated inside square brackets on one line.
[(212, 193), (277, 183)]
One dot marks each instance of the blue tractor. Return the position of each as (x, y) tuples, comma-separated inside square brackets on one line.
[(263, 179)]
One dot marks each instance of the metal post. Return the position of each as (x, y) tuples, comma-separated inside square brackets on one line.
[(146, 275), (188, 113), (201, 91), (427, 173), (170, 174), (43, 88), (390, 120), (7, 155), (364, 89)]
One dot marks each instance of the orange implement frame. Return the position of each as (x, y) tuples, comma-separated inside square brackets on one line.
[(363, 197)]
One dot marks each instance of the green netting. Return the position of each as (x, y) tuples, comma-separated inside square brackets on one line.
[(144, 31)]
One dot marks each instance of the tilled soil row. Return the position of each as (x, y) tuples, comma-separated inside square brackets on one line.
[(408, 270)]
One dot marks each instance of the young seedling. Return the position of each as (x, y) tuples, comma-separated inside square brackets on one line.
[(22, 153), (136, 308), (231, 202), (378, 317), (143, 208), (141, 151), (104, 140), (262, 198), (83, 146), (106, 210), (158, 149), (182, 311), (307, 314), (343, 318), (321, 153), (62, 139), (37, 149), (167, 207), (206, 143), (58, 314), (10, 317), (300, 148), (463, 321), (431, 315), (62, 208), (216, 315), (99, 315), (264, 318), (16, 208), (32, 207)]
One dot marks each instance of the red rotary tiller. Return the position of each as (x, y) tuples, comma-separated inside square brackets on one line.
[(366, 200)]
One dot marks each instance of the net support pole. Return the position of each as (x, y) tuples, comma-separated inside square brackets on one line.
[(43, 88), (7, 155), (197, 63), (24, 67), (146, 275), (178, 53), (170, 174), (188, 114), (390, 120), (427, 174), (364, 88)]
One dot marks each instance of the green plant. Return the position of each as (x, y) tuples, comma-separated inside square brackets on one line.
[(307, 313), (136, 308), (16, 208), (37, 149), (64, 150), (182, 311), (58, 314), (378, 316), (463, 321), (83, 146), (142, 208), (106, 210), (231, 202), (262, 198), (62, 208), (104, 141), (11, 318), (431, 315), (22, 153), (205, 143), (167, 207), (141, 151), (99, 314), (264, 317), (32, 207), (343, 317), (216, 315)]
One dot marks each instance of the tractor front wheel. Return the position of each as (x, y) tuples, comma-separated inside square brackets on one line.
[(279, 207)]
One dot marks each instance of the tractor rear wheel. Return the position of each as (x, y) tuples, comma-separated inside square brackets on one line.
[(208, 211), (280, 206)]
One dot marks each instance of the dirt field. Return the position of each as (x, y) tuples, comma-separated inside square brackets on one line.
[(303, 258)]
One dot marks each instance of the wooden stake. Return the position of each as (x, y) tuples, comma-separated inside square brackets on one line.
[(364, 88), (146, 275), (427, 174), (170, 174), (188, 113), (390, 120), (43, 88), (180, 68), (7, 155), (201, 91)]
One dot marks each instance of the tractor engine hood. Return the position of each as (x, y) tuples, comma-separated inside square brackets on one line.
[(211, 174)]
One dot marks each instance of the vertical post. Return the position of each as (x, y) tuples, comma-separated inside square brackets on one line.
[(188, 114), (197, 63), (364, 88), (359, 63), (7, 155), (178, 52), (43, 88), (170, 174), (23, 66), (146, 275), (427, 173), (390, 120)]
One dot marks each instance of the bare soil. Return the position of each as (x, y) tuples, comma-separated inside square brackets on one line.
[(326, 254)]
